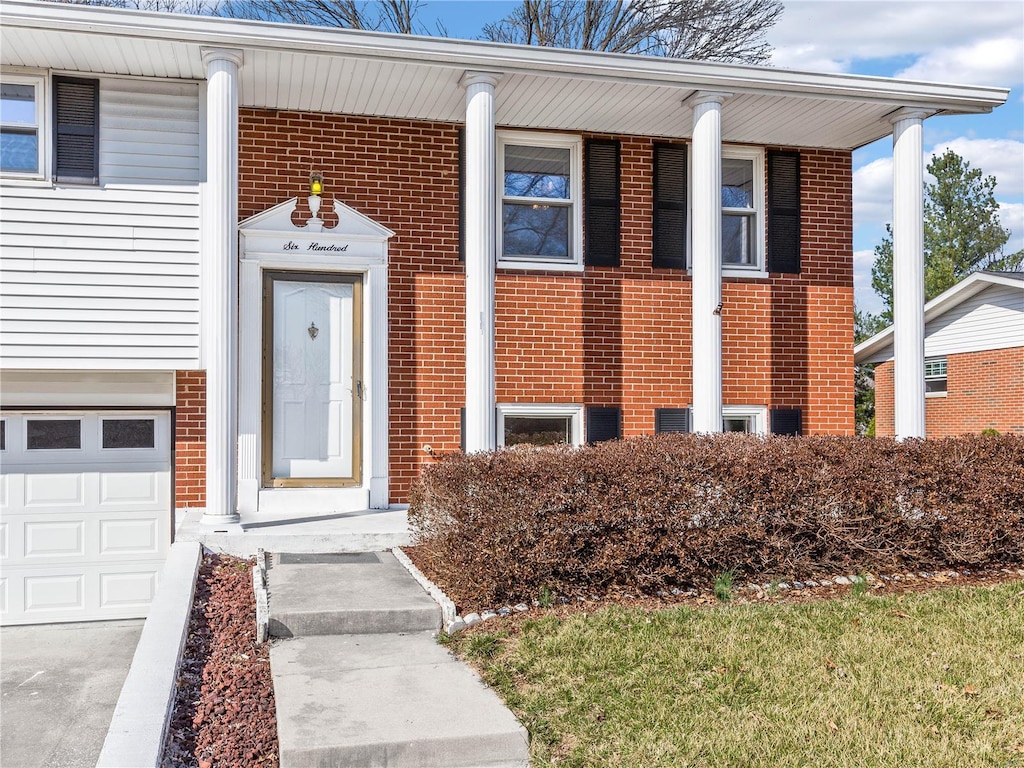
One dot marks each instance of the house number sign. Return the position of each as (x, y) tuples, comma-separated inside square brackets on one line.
[(314, 246)]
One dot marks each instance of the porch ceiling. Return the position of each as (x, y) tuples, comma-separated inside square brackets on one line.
[(326, 70)]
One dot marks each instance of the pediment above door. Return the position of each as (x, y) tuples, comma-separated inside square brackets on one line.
[(275, 232)]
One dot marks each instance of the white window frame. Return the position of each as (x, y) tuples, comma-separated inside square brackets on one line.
[(39, 82), (758, 268), (531, 410), (559, 141), (758, 414), (945, 377)]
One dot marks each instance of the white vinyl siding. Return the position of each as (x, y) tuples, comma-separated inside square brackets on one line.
[(991, 319), (108, 276)]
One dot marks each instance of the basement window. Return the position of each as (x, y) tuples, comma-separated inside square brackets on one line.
[(528, 424), (935, 379)]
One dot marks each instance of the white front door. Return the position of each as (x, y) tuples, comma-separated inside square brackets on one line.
[(313, 379)]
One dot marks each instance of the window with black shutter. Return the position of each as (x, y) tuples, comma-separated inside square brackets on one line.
[(601, 211), (784, 212), (787, 421), (76, 118), (670, 178), (671, 420), (603, 424)]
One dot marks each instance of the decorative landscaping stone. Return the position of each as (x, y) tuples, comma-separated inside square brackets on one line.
[(471, 618), (826, 583), (506, 611), (455, 626), (488, 615), (783, 585), (676, 591), (798, 585), (842, 580), (811, 583), (521, 607)]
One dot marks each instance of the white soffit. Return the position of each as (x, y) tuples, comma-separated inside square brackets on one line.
[(366, 73)]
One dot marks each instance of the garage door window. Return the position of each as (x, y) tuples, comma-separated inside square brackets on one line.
[(129, 433), (53, 434), (3, 435)]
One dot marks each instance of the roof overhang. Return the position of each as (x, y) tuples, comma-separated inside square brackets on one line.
[(876, 348), (290, 67)]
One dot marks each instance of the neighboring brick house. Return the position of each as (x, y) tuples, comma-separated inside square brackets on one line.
[(973, 359), (263, 269)]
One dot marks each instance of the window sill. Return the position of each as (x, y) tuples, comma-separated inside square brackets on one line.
[(752, 272), (928, 395), (24, 181), (541, 266)]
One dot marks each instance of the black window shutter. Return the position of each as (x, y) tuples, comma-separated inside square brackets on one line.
[(76, 117), (670, 206), (603, 424), (601, 203), (462, 429), (462, 194), (784, 212), (671, 420), (787, 421)]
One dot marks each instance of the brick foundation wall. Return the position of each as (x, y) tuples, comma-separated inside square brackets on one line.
[(984, 390), (609, 336), (190, 439)]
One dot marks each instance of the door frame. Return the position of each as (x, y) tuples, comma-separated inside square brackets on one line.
[(270, 276)]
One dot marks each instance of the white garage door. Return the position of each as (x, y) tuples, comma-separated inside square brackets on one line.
[(85, 526)]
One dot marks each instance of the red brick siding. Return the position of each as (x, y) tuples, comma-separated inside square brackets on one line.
[(984, 390), (190, 439), (608, 336)]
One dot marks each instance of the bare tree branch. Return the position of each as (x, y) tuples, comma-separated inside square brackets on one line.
[(712, 30)]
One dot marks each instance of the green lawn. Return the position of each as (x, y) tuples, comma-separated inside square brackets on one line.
[(931, 679)]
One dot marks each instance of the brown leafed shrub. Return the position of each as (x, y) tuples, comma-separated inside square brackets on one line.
[(675, 510)]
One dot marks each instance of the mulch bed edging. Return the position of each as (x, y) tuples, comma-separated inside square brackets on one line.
[(224, 713)]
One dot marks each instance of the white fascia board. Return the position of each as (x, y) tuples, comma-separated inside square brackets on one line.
[(474, 55), (877, 348)]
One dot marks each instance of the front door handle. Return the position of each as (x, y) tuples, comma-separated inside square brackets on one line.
[(359, 389)]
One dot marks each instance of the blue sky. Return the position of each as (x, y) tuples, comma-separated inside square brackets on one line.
[(977, 42)]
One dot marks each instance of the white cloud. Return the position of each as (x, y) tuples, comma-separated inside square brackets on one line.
[(941, 36), (863, 295), (1002, 158), (872, 192), (990, 61), (872, 198)]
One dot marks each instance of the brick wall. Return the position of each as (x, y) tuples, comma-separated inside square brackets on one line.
[(984, 390), (190, 439), (608, 336)]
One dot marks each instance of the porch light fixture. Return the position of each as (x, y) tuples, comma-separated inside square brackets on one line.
[(316, 184)]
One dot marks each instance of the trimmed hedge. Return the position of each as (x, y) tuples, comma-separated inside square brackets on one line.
[(676, 510)]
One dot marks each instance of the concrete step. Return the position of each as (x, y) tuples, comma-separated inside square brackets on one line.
[(336, 594), (388, 701)]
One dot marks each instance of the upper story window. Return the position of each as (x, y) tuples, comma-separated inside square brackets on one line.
[(62, 142), (21, 125), (742, 208), (539, 177), (935, 376)]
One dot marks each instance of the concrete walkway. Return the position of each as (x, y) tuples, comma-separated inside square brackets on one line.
[(361, 681)]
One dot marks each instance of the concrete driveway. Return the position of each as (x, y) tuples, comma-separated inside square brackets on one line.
[(59, 685)]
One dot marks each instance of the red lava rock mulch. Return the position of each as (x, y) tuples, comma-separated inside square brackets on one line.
[(224, 715)]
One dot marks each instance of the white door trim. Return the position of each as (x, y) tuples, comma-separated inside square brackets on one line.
[(270, 242)]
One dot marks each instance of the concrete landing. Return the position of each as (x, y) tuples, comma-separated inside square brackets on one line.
[(361, 531), (388, 700), (335, 594)]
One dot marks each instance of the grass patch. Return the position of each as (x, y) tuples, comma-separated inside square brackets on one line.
[(920, 679)]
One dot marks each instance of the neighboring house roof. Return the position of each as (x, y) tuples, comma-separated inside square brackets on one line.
[(402, 76), (987, 306)]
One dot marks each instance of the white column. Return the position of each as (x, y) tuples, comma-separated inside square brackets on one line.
[(480, 233), (706, 261), (219, 280), (908, 271), (377, 322)]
